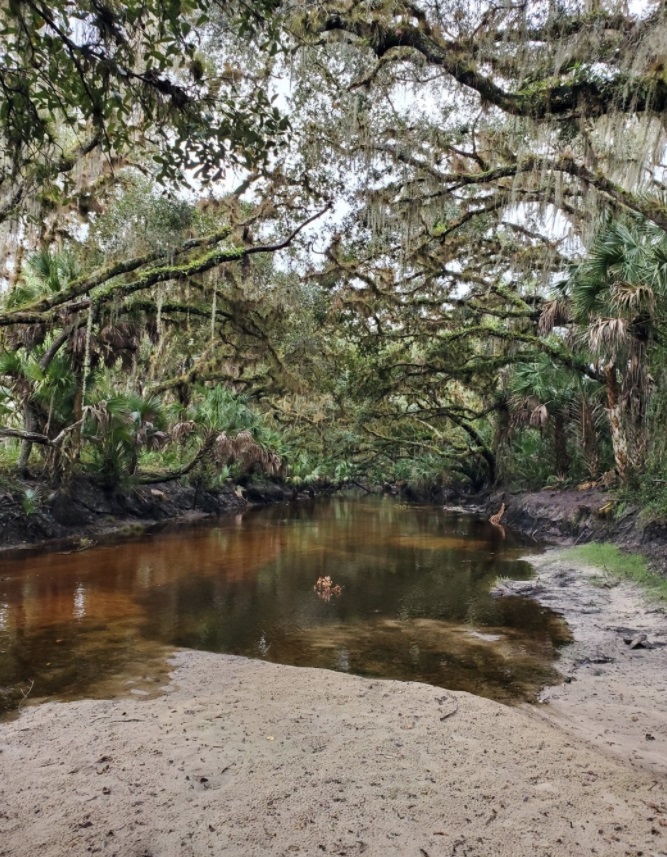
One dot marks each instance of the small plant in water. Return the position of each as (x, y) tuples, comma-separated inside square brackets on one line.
[(326, 589)]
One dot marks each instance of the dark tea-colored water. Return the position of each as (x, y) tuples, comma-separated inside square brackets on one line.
[(413, 604)]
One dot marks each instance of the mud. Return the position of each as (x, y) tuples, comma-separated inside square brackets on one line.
[(85, 512)]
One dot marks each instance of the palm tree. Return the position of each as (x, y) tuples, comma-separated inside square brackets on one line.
[(119, 428), (618, 295), (543, 393), (46, 352), (231, 432), (18, 377), (30, 348)]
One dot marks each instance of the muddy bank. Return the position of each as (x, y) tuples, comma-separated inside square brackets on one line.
[(576, 517), (614, 694), (34, 515), (567, 516), (248, 758), (551, 515)]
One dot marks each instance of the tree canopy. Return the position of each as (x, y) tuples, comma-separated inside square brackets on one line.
[(414, 241)]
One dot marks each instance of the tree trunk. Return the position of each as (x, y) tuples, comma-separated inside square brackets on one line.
[(487, 454), (634, 393), (490, 461), (77, 414), (560, 445), (589, 440), (29, 425), (619, 440)]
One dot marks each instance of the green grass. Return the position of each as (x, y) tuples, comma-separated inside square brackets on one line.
[(620, 565), (9, 454)]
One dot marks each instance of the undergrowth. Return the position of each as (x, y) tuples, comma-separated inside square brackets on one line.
[(621, 565)]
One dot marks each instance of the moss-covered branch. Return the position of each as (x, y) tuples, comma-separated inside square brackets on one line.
[(109, 289), (588, 93)]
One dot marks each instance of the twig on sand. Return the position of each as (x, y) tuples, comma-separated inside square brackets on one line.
[(126, 720), (26, 693), (130, 720)]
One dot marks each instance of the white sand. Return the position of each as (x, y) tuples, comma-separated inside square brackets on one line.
[(247, 758)]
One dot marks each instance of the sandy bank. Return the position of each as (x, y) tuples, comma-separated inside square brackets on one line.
[(614, 697), (247, 758)]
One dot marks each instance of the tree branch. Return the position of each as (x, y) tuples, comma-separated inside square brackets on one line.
[(41, 311), (591, 96)]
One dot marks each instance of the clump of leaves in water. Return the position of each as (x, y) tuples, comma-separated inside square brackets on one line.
[(326, 589)]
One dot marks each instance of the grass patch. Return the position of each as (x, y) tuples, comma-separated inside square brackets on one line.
[(620, 565)]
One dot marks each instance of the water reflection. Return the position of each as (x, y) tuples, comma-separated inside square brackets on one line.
[(414, 603)]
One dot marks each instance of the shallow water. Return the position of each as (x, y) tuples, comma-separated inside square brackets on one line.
[(414, 603)]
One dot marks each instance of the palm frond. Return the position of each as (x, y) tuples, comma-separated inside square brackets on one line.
[(633, 297), (43, 266), (246, 452), (182, 430), (52, 271), (539, 417), (555, 313), (608, 334)]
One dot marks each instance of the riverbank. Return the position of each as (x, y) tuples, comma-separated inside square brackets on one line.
[(614, 694), (248, 758), (564, 516), (570, 516), (35, 516)]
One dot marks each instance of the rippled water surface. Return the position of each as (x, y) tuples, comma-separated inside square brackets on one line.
[(414, 603)]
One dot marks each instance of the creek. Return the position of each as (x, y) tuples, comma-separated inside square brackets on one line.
[(414, 603)]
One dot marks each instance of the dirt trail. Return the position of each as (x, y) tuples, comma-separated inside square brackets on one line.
[(246, 758)]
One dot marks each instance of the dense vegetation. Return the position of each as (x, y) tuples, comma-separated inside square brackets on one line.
[(344, 240)]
